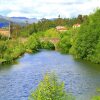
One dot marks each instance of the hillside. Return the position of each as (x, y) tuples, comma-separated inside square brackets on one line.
[(4, 21)]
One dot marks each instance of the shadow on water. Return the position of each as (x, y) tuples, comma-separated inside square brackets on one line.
[(5, 66), (8, 66), (89, 66)]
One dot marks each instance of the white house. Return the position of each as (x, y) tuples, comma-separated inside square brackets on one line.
[(61, 28), (5, 32)]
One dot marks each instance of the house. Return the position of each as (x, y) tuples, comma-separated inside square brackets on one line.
[(5, 32), (61, 28), (76, 25)]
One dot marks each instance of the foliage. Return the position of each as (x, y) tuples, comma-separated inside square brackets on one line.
[(43, 25), (3, 37), (64, 45), (3, 48), (96, 98), (83, 42), (32, 44), (52, 33), (65, 42), (47, 45), (87, 43), (50, 88), (12, 49)]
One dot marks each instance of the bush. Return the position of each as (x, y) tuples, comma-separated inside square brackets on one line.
[(18, 51), (3, 48), (32, 44), (96, 98), (50, 89), (64, 45), (52, 33), (3, 37), (87, 42), (11, 50), (47, 45)]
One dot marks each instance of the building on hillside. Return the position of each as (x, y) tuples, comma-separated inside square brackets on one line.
[(76, 25), (5, 32), (61, 28)]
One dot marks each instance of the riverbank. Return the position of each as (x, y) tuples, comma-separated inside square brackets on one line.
[(13, 49)]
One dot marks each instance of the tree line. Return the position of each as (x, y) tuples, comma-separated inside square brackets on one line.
[(43, 25)]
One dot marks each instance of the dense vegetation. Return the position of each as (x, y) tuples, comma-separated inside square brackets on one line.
[(84, 42), (12, 49), (87, 41), (65, 42), (47, 45), (50, 88), (43, 25), (96, 98)]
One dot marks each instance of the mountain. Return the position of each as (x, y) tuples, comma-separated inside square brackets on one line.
[(4, 21), (23, 19), (52, 19)]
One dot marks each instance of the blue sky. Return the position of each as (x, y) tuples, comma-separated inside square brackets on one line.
[(47, 8)]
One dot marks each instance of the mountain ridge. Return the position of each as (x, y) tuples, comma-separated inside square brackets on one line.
[(4, 21)]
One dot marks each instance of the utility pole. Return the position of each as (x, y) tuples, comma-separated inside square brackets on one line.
[(27, 27), (9, 30), (59, 16)]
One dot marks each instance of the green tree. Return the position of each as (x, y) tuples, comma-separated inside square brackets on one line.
[(87, 41), (64, 44)]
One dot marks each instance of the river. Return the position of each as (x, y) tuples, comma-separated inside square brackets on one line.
[(81, 78)]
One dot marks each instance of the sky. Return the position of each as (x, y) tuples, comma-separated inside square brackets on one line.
[(47, 8)]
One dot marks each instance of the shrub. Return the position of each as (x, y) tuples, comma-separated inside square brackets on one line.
[(3, 37), (47, 45), (64, 45), (50, 89), (32, 44), (87, 42), (52, 33), (96, 98), (3, 48)]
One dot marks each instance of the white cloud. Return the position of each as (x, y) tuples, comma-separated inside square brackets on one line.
[(47, 8)]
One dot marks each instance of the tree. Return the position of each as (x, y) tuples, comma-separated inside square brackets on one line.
[(80, 19), (88, 39)]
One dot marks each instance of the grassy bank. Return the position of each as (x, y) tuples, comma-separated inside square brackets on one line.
[(13, 48)]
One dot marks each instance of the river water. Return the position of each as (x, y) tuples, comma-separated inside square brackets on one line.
[(82, 79)]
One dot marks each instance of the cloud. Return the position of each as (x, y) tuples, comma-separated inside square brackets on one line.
[(47, 8)]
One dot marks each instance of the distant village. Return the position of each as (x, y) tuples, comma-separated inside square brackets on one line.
[(63, 28), (5, 31)]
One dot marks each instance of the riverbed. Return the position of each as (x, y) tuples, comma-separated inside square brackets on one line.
[(81, 78)]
